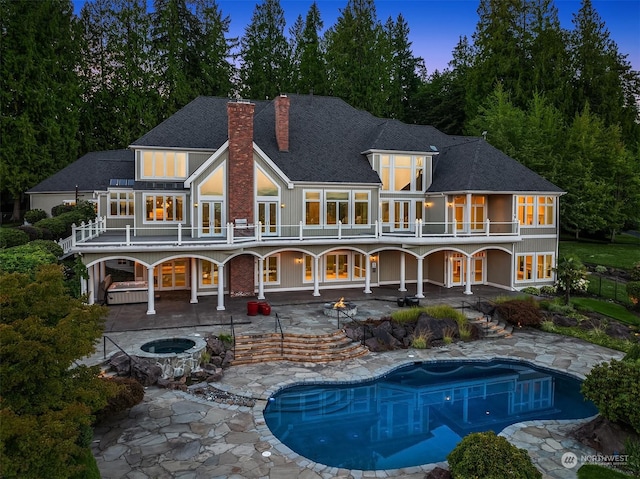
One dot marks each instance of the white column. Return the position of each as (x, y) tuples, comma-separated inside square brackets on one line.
[(316, 276), (83, 286), (103, 270), (92, 284), (467, 214), (260, 278), (467, 281), (151, 292), (367, 276), (220, 287), (96, 281), (403, 286), (194, 281), (419, 293)]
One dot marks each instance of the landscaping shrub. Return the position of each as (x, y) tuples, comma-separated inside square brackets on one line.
[(485, 455), (89, 466), (129, 393), (444, 311), (531, 290), (61, 209), (634, 274), (520, 313), (10, 237), (633, 290), (33, 232), (633, 354), (25, 258), (406, 315), (48, 245), (614, 388), (33, 216), (52, 228), (547, 290)]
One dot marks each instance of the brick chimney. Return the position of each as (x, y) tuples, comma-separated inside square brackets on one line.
[(282, 122), (240, 190)]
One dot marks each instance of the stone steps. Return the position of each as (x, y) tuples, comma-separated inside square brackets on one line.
[(308, 348), (491, 329)]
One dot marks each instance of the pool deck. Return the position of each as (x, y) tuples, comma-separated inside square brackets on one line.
[(173, 434)]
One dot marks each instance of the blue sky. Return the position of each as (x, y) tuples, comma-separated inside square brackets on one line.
[(436, 25)]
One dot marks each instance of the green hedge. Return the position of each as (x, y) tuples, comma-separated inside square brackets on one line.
[(487, 456)]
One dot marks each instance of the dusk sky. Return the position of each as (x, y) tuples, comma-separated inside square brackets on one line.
[(436, 25)]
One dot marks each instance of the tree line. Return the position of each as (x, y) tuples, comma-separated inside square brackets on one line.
[(563, 102)]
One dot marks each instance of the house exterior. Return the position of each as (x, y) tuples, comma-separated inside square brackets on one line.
[(240, 198)]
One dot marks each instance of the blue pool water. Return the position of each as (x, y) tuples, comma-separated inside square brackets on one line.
[(418, 413)]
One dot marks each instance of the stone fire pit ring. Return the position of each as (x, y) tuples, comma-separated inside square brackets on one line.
[(340, 308)]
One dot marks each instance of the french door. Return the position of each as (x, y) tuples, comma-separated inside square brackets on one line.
[(211, 219)]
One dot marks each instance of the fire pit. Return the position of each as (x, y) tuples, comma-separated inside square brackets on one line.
[(342, 307)]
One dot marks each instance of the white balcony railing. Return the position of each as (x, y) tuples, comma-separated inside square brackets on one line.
[(96, 233)]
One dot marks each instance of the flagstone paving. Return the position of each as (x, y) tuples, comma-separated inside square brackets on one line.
[(177, 435)]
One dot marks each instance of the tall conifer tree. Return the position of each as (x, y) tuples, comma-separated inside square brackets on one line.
[(266, 57), (39, 93)]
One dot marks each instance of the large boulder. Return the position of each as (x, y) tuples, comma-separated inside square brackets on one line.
[(215, 346), (145, 371), (435, 328)]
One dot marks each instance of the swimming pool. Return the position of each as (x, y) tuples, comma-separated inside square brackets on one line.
[(418, 413)]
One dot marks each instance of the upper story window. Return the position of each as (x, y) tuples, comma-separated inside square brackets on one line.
[(164, 164), (121, 203), (536, 210), (331, 207), (164, 208), (214, 184), (402, 173)]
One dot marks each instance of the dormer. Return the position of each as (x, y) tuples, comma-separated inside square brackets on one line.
[(403, 171)]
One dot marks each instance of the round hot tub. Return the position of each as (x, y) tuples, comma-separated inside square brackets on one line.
[(168, 346), (176, 356)]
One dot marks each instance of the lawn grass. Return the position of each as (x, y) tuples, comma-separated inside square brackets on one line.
[(599, 338), (624, 253), (613, 310), (608, 288), (593, 471)]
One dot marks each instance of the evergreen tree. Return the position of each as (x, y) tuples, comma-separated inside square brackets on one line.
[(39, 93), (176, 57), (312, 69), (602, 77), (406, 72), (356, 52), (265, 69), (215, 50), (121, 100)]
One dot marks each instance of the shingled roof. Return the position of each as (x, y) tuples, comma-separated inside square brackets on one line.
[(472, 164), (327, 142), (91, 172)]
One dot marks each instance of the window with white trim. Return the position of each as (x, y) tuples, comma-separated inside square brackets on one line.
[(534, 267), (351, 207), (271, 269), (164, 208), (312, 208), (164, 164), (344, 266), (208, 274), (545, 206), (309, 266), (121, 203), (402, 173)]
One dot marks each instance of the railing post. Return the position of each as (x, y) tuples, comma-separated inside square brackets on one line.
[(339, 231), (488, 226), (74, 232), (229, 233), (179, 234), (419, 226), (377, 229), (128, 235), (300, 231), (259, 232), (455, 228), (96, 227)]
